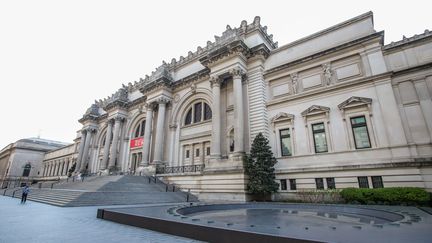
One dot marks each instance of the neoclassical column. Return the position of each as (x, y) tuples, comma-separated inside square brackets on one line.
[(63, 167), (84, 158), (44, 169), (114, 145), (147, 135), (159, 143), (81, 149), (106, 148), (55, 168), (238, 110), (67, 166), (51, 169), (216, 119)]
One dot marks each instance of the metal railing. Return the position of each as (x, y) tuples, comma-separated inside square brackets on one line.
[(179, 169)]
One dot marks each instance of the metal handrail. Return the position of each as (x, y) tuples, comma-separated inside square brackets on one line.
[(179, 169)]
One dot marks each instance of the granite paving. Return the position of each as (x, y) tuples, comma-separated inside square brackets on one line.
[(41, 223)]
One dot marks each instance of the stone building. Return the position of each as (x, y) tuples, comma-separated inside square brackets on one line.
[(340, 109), (24, 157)]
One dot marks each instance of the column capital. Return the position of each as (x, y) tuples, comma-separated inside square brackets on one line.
[(237, 72), (215, 81), (163, 100), (150, 106)]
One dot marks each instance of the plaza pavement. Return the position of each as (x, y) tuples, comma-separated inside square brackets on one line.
[(41, 223)]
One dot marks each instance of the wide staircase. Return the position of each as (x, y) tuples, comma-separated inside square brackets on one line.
[(104, 190)]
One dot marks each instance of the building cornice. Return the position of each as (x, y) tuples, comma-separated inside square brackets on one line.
[(426, 35), (379, 35)]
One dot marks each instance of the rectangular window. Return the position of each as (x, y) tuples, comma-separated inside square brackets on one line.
[(283, 184), (187, 154), (363, 182), (293, 184), (360, 132), (208, 151), (377, 182), (197, 152), (319, 183), (331, 183), (319, 137), (285, 141)]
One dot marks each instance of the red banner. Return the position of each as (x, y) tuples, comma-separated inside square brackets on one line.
[(136, 142)]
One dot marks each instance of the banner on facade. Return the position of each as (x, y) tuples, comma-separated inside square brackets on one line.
[(136, 142)]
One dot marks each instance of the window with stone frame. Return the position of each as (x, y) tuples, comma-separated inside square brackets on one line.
[(198, 112), (283, 124), (357, 113), (187, 154), (317, 119)]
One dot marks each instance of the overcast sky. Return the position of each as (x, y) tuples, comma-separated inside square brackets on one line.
[(57, 57)]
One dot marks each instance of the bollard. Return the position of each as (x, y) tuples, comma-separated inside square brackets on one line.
[(166, 188)]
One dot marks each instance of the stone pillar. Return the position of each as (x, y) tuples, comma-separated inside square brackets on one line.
[(238, 111), (44, 170), (216, 119), (67, 166), (106, 148), (84, 158), (63, 167), (55, 168), (113, 152), (147, 135), (160, 136), (81, 149), (51, 169)]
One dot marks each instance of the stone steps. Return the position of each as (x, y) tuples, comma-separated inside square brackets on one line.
[(105, 190)]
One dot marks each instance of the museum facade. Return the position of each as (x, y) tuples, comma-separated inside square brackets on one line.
[(340, 109)]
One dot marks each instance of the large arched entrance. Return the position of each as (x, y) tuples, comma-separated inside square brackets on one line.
[(26, 171)]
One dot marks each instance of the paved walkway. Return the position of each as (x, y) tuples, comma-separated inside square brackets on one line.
[(35, 222)]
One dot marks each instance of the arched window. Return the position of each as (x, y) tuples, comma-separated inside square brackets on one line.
[(27, 169), (139, 130), (199, 112)]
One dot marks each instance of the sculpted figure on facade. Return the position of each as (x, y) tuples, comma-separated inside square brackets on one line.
[(294, 82), (327, 73)]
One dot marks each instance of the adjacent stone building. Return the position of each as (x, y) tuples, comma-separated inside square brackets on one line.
[(340, 109), (24, 157)]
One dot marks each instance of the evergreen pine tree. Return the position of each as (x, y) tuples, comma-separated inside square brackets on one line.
[(259, 165)]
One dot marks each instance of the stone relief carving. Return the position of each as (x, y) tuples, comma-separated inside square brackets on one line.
[(294, 82)]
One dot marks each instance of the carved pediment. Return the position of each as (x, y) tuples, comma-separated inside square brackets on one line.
[(282, 116), (315, 109), (354, 101)]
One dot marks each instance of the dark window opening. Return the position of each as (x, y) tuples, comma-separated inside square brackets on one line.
[(331, 183), (197, 152), (188, 119), (377, 182), (363, 182), (197, 112), (319, 183), (283, 184), (187, 154), (207, 112), (208, 150), (293, 184)]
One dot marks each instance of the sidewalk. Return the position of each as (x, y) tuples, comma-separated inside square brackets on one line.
[(40, 223)]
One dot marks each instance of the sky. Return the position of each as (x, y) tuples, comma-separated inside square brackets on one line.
[(57, 57)]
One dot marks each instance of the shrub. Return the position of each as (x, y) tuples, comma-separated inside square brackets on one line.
[(392, 196)]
